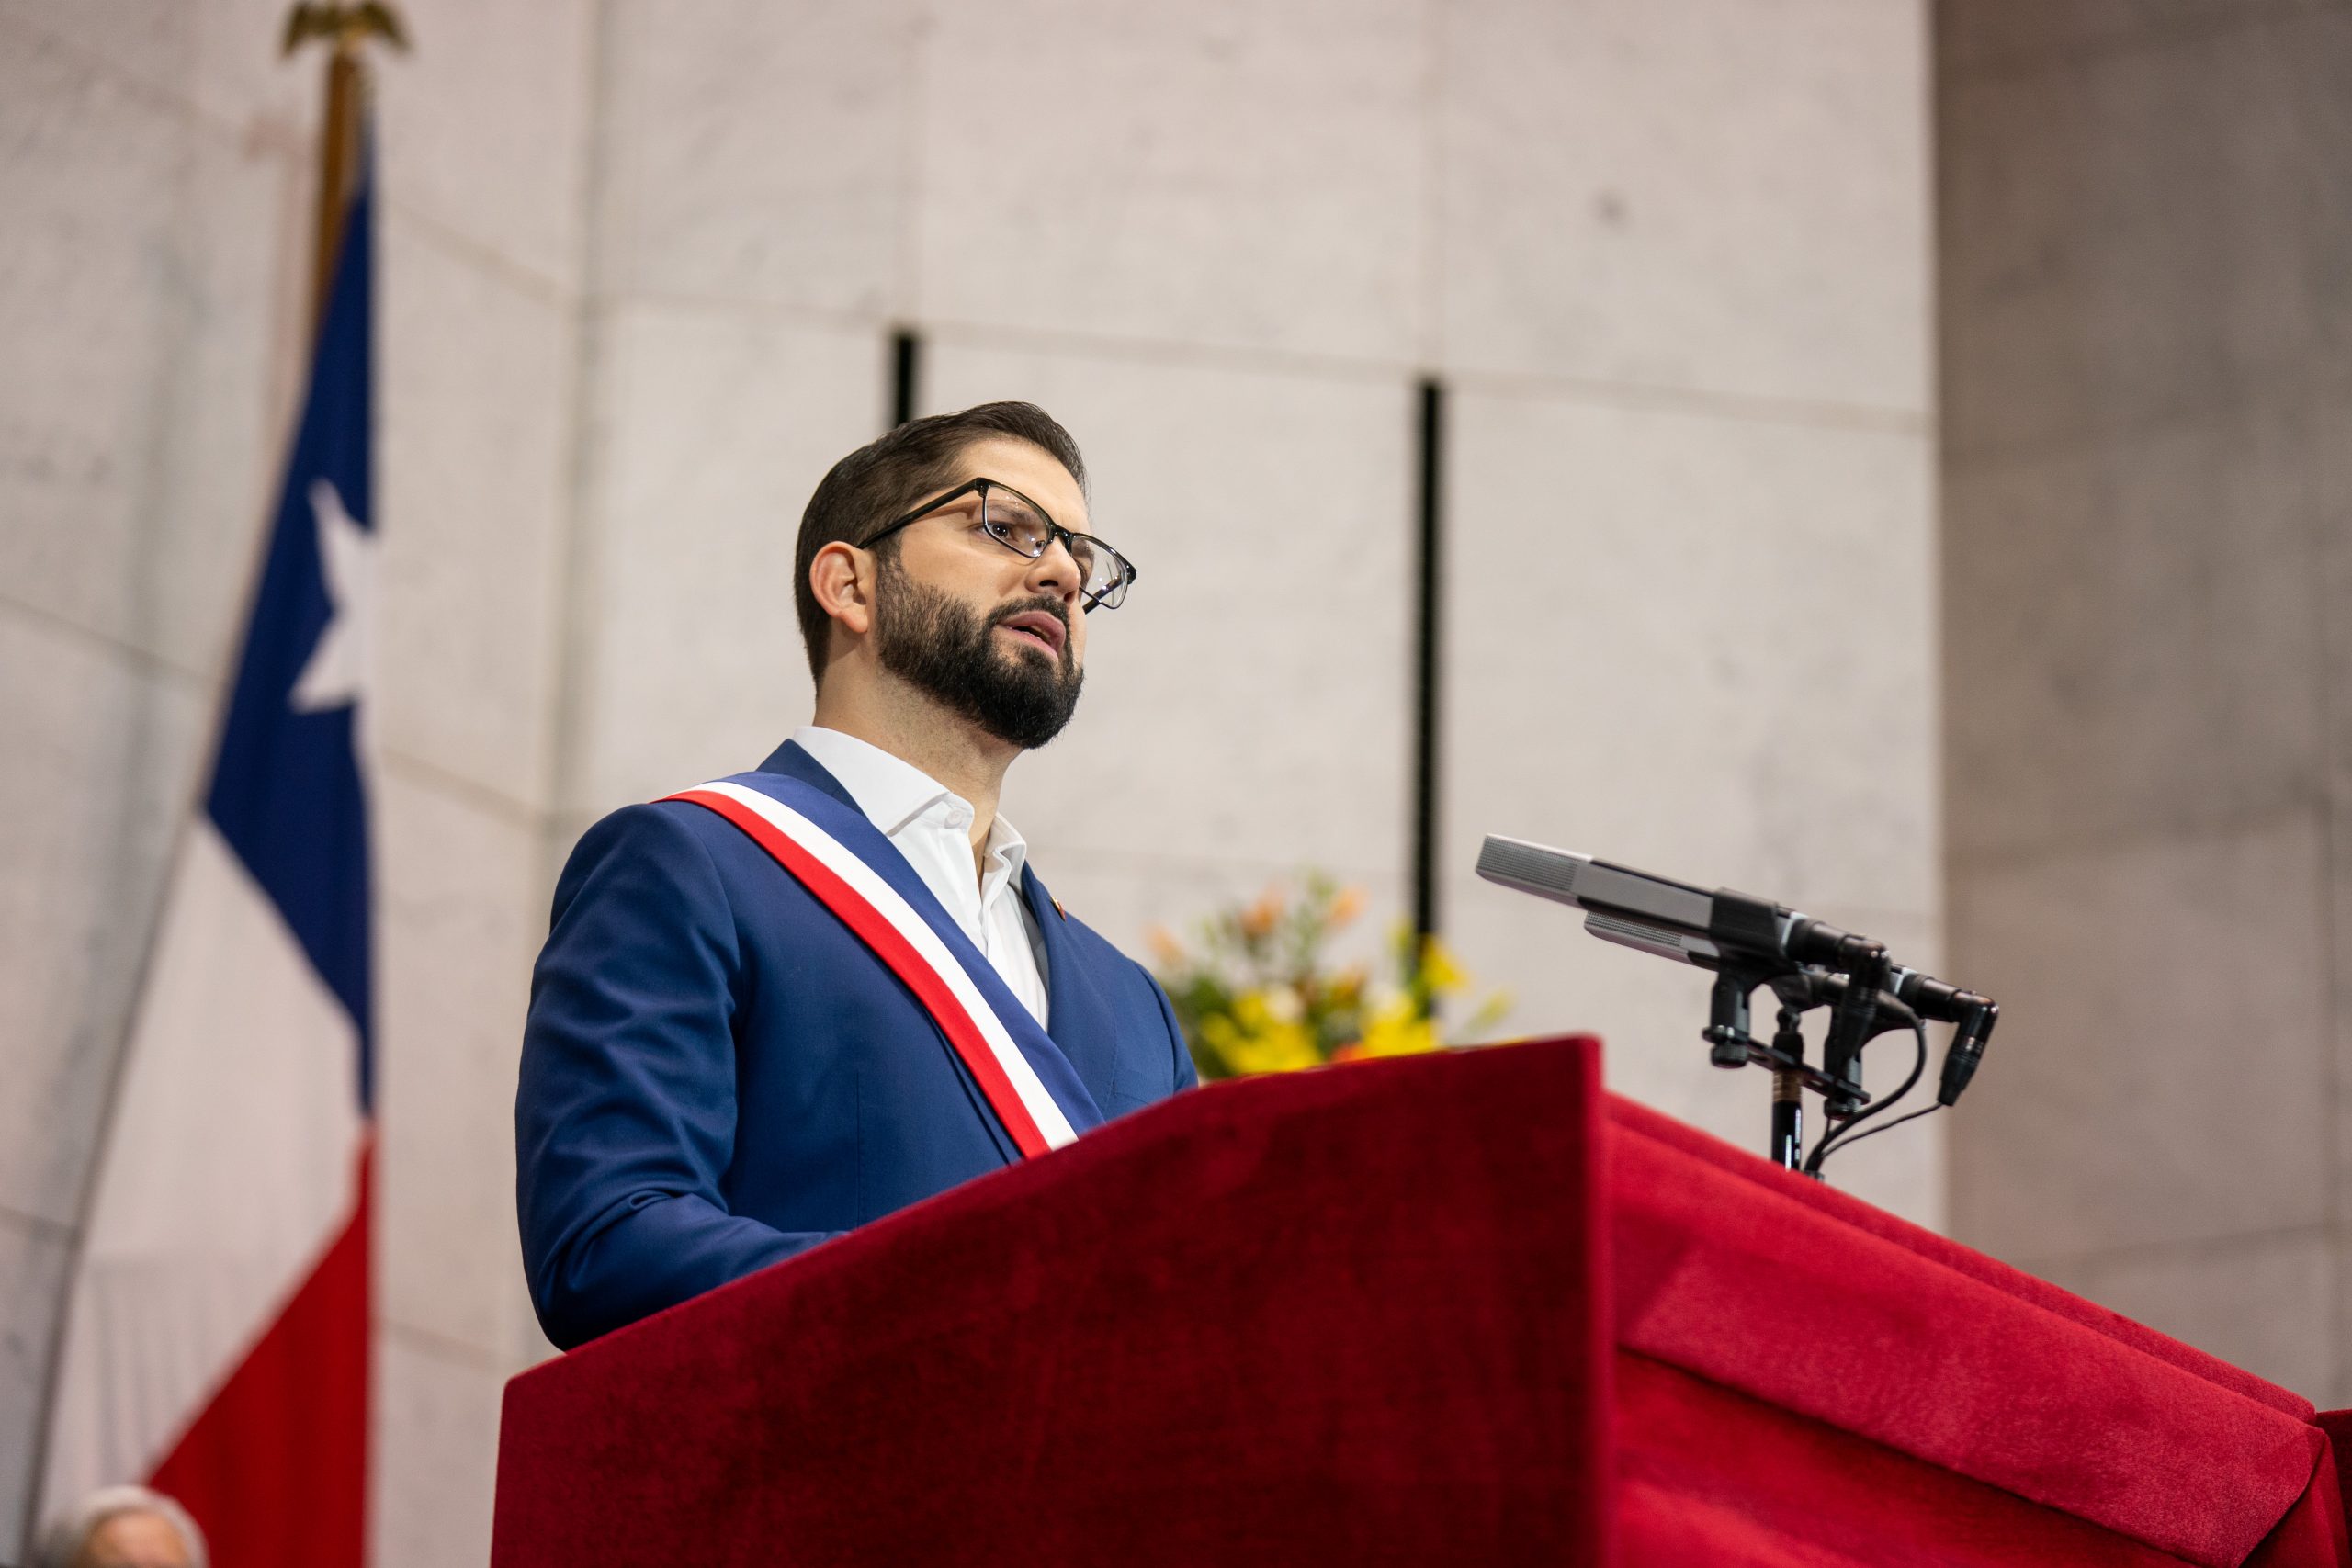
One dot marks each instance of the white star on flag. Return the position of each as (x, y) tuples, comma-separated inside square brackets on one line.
[(337, 671)]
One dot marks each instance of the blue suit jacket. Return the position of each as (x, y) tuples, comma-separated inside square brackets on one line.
[(717, 1074)]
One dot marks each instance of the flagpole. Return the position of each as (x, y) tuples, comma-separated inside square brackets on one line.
[(346, 25)]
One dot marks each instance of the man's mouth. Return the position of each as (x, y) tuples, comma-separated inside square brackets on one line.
[(1039, 627)]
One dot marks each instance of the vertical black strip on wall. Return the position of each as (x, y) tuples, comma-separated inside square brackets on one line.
[(906, 360), (1429, 582)]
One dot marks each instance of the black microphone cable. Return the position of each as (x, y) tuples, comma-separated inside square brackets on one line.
[(1838, 1137), (1884, 1126)]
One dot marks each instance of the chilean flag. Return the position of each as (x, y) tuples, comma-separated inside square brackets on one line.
[(216, 1341)]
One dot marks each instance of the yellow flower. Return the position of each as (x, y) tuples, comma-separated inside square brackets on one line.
[(1398, 1030), (1440, 970), (1258, 1048), (1266, 955)]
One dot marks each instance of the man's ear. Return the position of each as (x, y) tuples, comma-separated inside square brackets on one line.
[(842, 576)]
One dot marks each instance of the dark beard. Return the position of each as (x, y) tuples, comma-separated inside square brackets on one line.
[(1022, 697)]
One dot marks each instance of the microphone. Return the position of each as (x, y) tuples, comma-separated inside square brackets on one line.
[(1670, 918), (1729, 931), (1967, 1047)]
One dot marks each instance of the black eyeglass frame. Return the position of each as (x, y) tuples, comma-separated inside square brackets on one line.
[(1119, 584)]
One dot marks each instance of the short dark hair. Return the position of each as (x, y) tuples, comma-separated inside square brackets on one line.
[(884, 478)]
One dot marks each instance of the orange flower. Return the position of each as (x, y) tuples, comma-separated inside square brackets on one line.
[(1259, 918), (1165, 948), (1347, 906)]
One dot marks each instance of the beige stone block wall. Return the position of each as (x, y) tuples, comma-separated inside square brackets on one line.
[(640, 259), (1681, 285), (156, 161), (2147, 491)]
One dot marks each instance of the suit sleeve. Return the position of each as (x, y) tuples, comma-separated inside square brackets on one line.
[(624, 1115), (1187, 1075)]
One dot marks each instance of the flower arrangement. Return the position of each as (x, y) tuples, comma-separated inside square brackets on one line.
[(1255, 992)]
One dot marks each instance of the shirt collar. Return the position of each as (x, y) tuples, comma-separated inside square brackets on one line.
[(893, 792), (1007, 847)]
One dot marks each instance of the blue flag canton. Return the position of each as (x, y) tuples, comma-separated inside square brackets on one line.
[(287, 792)]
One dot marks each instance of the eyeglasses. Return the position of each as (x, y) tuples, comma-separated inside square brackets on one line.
[(1020, 525)]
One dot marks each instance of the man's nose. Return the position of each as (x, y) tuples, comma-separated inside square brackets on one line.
[(1056, 572)]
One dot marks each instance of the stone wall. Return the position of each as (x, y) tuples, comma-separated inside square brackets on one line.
[(2147, 488), (156, 163), (640, 262)]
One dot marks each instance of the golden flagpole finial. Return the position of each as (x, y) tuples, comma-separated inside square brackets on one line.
[(345, 25)]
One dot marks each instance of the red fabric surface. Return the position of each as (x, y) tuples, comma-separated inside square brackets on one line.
[(274, 1467), (2338, 1425), (1341, 1316), (1882, 1341), (1963, 1260), (2313, 1535), (1355, 1316), (1755, 1484)]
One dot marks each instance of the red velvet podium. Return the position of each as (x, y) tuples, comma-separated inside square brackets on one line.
[(1452, 1309)]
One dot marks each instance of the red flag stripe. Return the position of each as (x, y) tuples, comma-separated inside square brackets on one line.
[(274, 1466)]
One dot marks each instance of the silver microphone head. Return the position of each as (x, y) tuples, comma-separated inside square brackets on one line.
[(1532, 868), (1596, 887), (1631, 908)]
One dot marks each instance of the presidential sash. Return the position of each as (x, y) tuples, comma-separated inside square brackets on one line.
[(880, 916)]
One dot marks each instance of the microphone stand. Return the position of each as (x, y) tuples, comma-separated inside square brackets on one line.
[(1788, 1090), (1854, 1024)]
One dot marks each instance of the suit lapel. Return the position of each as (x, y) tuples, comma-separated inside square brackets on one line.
[(794, 777), (792, 762), (1073, 1002)]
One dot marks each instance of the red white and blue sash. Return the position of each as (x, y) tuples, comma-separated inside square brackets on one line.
[(883, 919)]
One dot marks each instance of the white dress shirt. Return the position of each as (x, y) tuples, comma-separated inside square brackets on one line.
[(931, 826)]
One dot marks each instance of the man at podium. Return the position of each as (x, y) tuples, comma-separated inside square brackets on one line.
[(778, 1005)]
